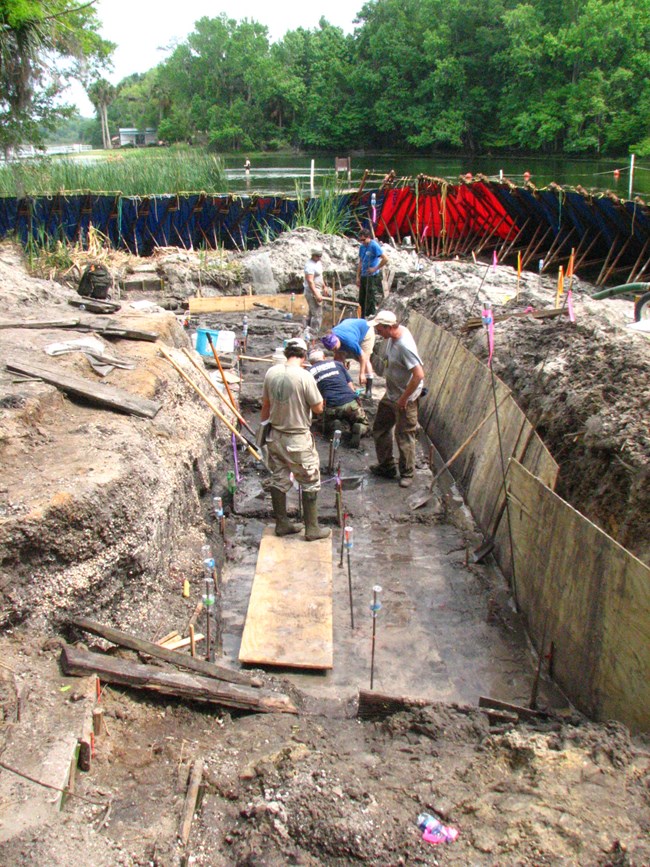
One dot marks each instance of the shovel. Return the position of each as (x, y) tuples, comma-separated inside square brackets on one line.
[(426, 497)]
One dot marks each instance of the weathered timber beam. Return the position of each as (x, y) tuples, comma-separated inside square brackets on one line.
[(477, 322), (106, 396), (180, 684), (123, 639), (523, 712)]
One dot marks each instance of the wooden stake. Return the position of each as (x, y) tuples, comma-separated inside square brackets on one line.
[(192, 796), (214, 409), (192, 641), (221, 397), (98, 721), (223, 375)]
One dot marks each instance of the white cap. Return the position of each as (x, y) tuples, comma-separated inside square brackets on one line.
[(297, 342), (384, 317)]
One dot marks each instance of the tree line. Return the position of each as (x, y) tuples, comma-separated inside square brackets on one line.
[(553, 76)]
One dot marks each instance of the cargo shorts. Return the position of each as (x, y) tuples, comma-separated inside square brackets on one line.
[(293, 453)]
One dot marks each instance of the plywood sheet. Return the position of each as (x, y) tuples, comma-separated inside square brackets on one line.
[(589, 596), (289, 619), (462, 394)]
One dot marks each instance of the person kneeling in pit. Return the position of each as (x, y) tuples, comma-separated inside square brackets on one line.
[(289, 397), (338, 391)]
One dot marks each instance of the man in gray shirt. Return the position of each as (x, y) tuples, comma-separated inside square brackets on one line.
[(398, 409)]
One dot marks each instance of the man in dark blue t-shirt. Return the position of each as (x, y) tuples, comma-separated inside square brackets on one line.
[(336, 387)]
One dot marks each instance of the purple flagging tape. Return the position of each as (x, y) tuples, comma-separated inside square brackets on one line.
[(234, 451), (569, 304)]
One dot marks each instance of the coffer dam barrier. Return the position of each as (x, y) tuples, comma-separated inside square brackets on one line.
[(584, 597), (600, 234)]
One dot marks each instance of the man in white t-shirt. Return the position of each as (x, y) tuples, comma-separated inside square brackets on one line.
[(314, 284), (398, 408)]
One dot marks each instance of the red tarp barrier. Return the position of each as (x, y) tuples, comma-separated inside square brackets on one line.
[(459, 209)]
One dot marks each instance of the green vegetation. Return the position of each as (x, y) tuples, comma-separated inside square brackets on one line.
[(466, 75), (130, 172), (326, 212), (478, 76), (43, 43)]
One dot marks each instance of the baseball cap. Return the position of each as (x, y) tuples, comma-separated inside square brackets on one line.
[(316, 355), (330, 341), (384, 317), (317, 251), (297, 342)]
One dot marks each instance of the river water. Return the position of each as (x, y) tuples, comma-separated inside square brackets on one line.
[(287, 173)]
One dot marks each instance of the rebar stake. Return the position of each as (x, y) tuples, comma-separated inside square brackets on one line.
[(219, 515), (339, 497), (208, 597), (345, 519), (208, 601), (334, 444), (348, 541), (218, 619), (375, 608)]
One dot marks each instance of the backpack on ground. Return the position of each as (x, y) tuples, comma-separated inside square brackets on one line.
[(95, 282)]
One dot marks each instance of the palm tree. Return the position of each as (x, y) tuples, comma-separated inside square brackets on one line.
[(102, 93)]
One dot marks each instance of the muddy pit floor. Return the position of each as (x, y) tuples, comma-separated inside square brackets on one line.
[(325, 787)]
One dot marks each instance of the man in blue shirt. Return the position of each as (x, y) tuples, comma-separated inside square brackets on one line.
[(341, 403), (371, 260), (353, 338)]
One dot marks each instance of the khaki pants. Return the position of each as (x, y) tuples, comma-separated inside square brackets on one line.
[(405, 422), (315, 315), (293, 453)]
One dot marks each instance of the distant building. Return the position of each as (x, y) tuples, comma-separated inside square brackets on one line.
[(138, 138)]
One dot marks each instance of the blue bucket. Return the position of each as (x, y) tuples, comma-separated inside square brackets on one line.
[(202, 345)]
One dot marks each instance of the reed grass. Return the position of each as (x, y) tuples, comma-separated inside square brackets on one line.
[(328, 212), (144, 172)]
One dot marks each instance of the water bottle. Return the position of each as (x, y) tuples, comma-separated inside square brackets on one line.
[(244, 328), (373, 200), (434, 831), (306, 335), (368, 394)]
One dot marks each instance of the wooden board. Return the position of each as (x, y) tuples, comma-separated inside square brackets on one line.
[(246, 303), (106, 396), (289, 620)]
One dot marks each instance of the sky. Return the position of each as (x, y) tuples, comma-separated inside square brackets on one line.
[(141, 28)]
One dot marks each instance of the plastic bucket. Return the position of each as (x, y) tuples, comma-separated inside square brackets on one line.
[(224, 341)]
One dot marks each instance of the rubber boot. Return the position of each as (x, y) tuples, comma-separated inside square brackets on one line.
[(283, 526), (358, 431), (310, 511)]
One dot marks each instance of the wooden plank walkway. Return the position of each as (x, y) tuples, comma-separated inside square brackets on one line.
[(289, 619)]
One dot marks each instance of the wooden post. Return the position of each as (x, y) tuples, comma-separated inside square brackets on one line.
[(192, 796), (98, 721)]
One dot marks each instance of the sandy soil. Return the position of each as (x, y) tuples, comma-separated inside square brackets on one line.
[(323, 788)]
